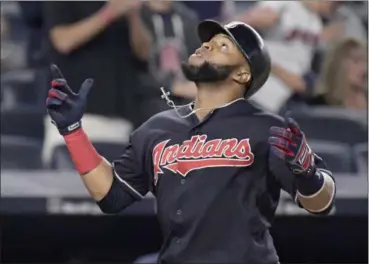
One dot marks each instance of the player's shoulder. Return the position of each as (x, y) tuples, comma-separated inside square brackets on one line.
[(160, 120)]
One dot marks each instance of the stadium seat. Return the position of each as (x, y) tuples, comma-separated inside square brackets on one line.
[(338, 157), (23, 121), (20, 153), (348, 127), (361, 156), (61, 160)]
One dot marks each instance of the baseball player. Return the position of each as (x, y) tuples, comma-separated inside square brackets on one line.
[(216, 166)]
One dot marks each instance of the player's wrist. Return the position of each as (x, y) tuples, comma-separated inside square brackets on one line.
[(311, 184), (84, 155), (65, 131)]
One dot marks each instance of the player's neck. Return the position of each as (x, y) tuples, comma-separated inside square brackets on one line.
[(211, 96)]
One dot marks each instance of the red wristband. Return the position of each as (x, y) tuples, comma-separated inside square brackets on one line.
[(83, 153)]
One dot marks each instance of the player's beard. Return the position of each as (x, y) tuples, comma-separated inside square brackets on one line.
[(206, 72)]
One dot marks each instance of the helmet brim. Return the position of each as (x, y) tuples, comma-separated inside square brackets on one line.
[(209, 28)]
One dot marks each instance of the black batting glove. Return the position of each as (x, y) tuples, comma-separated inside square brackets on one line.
[(290, 145), (65, 107)]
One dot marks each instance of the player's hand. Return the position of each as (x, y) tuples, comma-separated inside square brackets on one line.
[(63, 105), (290, 145)]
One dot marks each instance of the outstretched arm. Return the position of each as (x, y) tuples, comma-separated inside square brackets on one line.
[(113, 186)]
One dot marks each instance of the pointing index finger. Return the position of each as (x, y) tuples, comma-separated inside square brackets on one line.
[(58, 76), (55, 71)]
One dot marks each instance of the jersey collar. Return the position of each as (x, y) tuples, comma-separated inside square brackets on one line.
[(238, 107)]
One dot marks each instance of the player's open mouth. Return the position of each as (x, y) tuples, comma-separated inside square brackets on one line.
[(196, 57)]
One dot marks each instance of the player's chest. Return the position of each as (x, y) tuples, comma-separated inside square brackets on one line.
[(191, 153)]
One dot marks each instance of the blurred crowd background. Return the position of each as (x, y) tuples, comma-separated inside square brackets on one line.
[(319, 71), (318, 50)]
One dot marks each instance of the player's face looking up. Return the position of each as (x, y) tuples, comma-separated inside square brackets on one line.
[(217, 60)]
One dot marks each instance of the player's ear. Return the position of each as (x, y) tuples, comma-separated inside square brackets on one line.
[(242, 77)]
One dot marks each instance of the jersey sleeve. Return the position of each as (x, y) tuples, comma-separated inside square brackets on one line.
[(132, 170)]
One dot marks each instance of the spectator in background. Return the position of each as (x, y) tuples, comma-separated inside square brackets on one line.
[(292, 31), (106, 41), (348, 18), (172, 26), (342, 82)]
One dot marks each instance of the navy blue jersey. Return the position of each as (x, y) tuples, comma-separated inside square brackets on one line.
[(216, 184)]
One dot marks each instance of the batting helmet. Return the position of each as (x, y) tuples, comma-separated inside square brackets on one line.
[(250, 44)]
